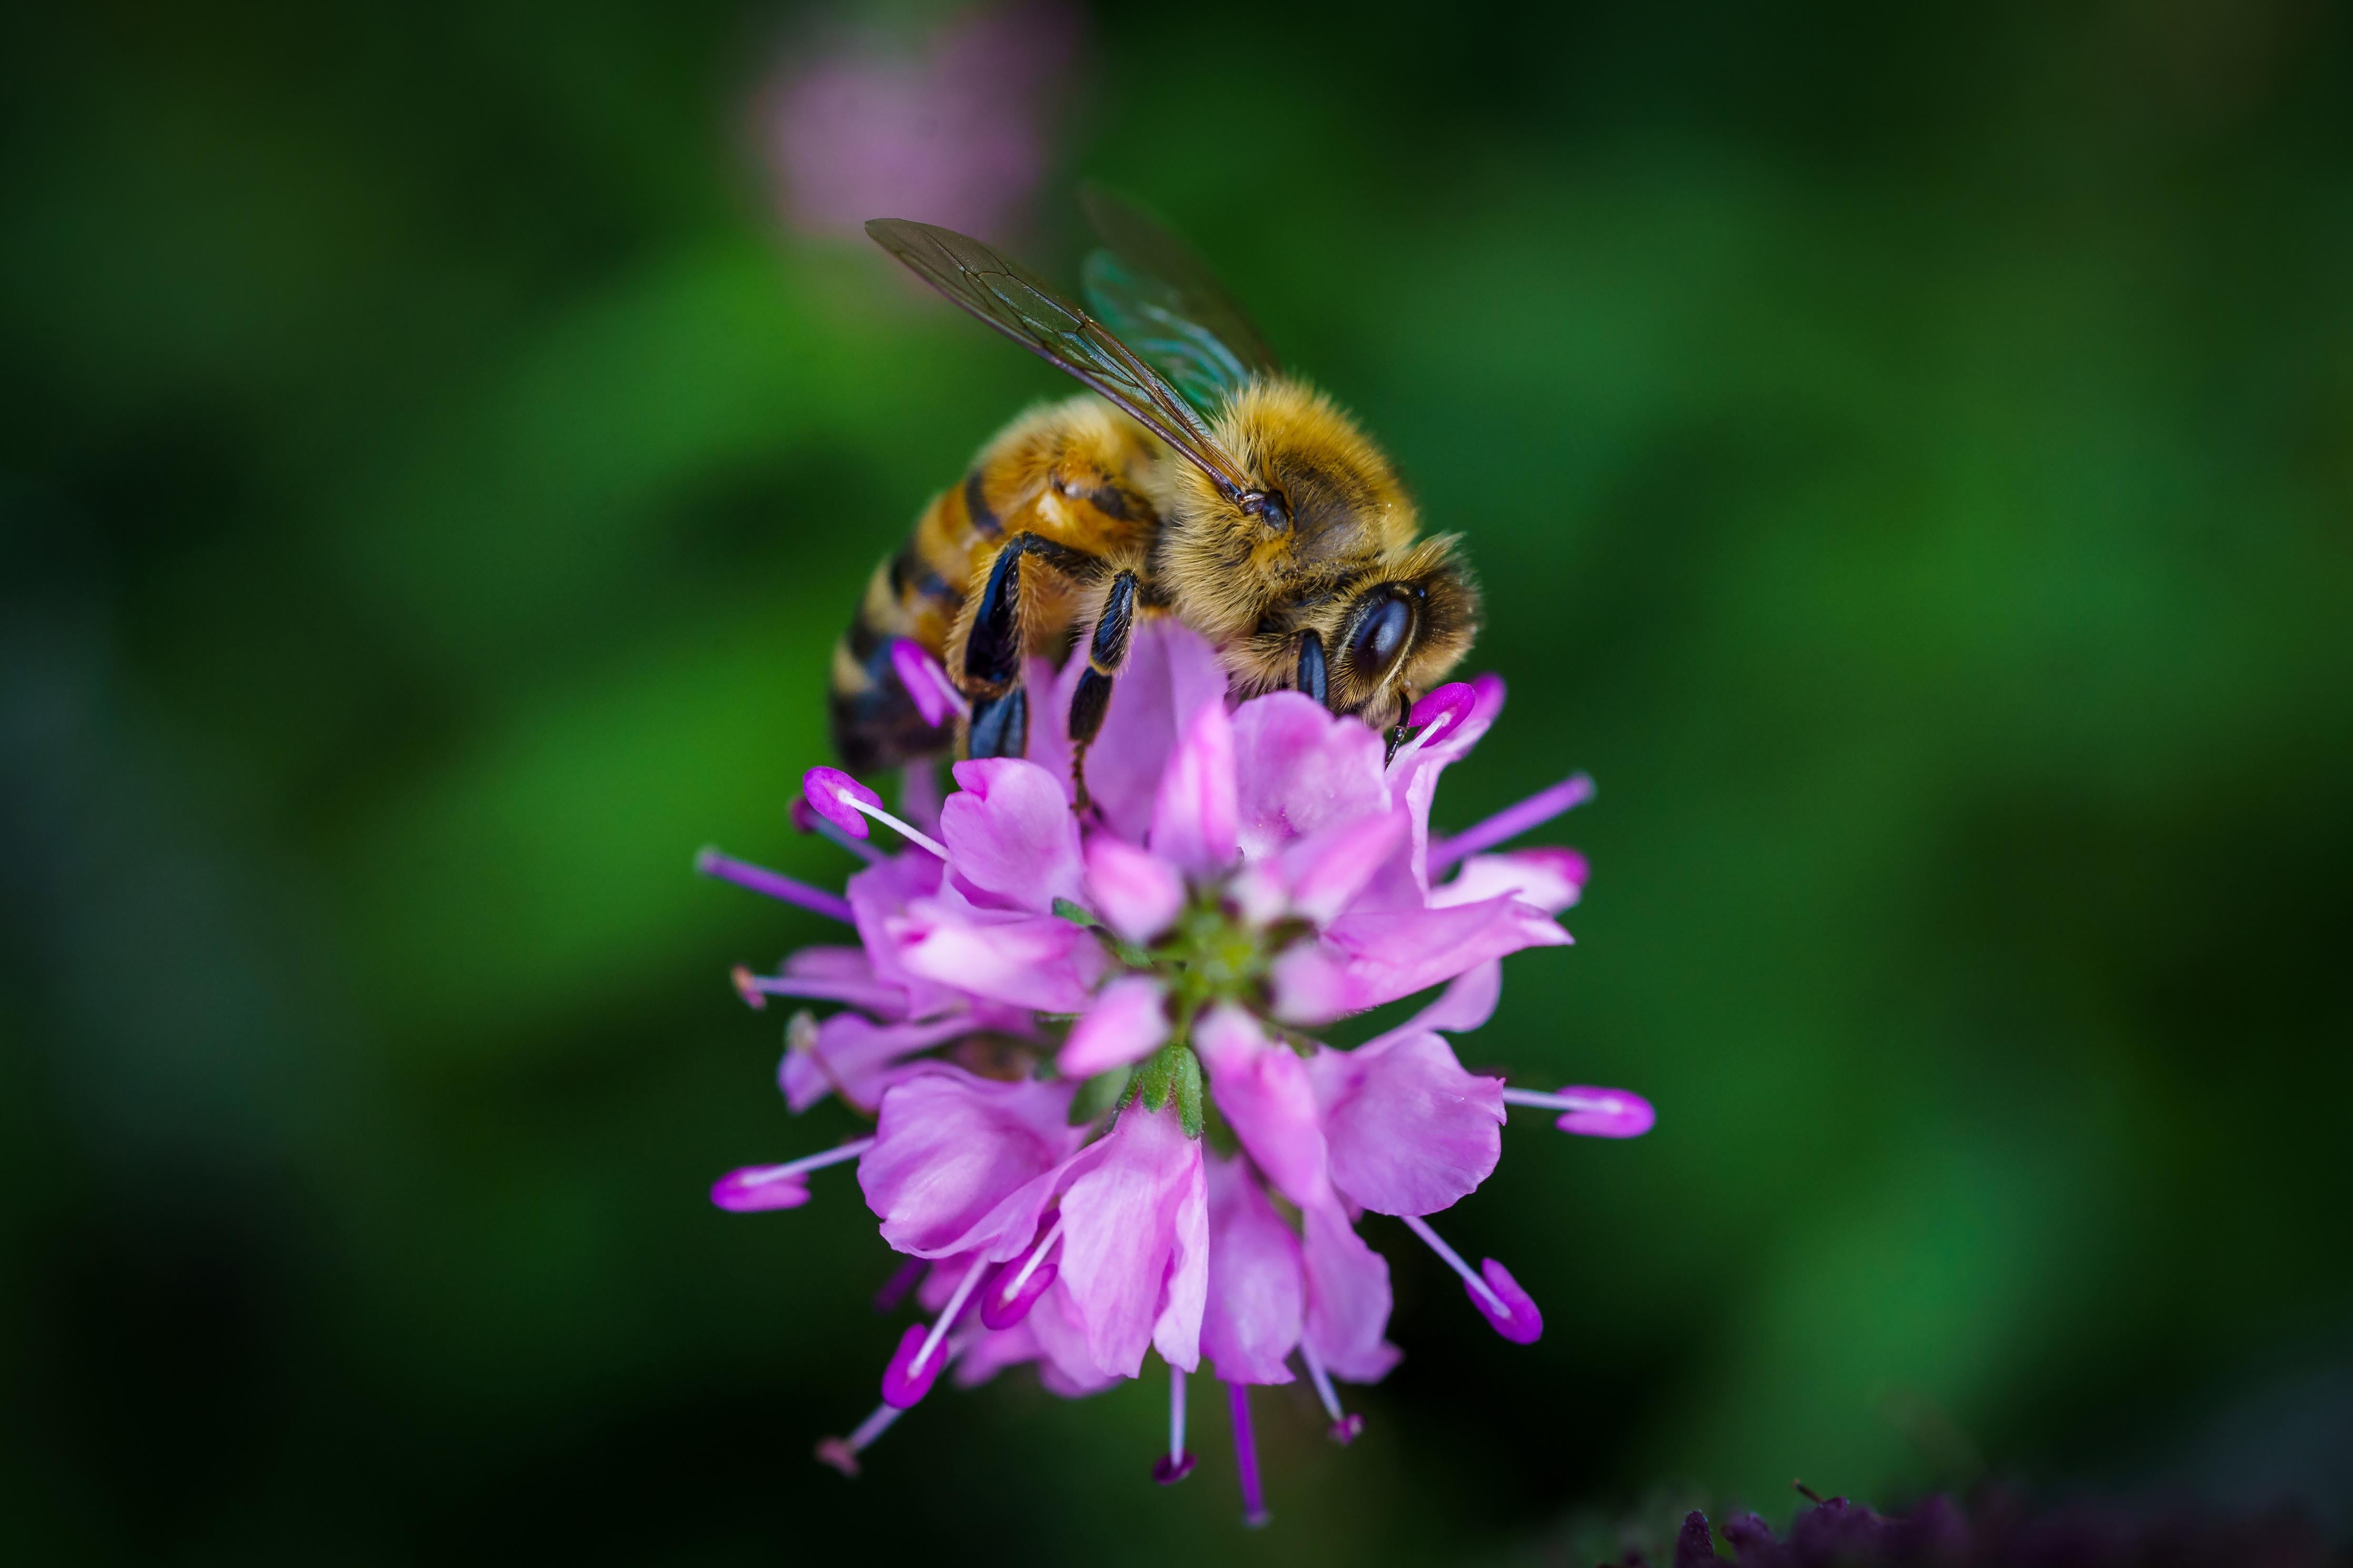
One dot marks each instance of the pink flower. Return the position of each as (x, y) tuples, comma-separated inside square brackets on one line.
[(1107, 985)]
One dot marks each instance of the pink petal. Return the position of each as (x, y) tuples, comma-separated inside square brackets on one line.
[(992, 1352), (1318, 876), (1010, 831), (1069, 1366), (1119, 1224), (1371, 957), (1257, 1300), (1177, 1332), (965, 1165), (1347, 1297), (850, 977), (1170, 675), (1551, 879), (879, 899), (1302, 768), (1409, 1131), (1127, 1023), (854, 1055), (1041, 962), (1263, 1091), (1135, 891), (1193, 817), (919, 796)]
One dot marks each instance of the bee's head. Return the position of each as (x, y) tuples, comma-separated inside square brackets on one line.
[(1396, 631), (1321, 547)]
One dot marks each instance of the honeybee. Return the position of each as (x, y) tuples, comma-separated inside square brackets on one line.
[(1194, 478)]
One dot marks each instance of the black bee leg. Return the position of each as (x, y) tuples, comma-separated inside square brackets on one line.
[(992, 653), (1106, 652), (1396, 736), (1000, 725), (1311, 682)]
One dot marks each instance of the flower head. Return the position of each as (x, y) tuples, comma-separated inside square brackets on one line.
[(1100, 1116)]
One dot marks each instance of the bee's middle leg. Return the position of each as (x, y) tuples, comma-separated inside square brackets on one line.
[(1106, 654), (1000, 635)]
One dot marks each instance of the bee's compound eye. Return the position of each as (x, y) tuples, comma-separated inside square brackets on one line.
[(1378, 637)]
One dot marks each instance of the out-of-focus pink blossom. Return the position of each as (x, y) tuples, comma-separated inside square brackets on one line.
[(953, 128)]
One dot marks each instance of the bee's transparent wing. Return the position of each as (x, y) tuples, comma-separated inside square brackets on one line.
[(1025, 308), (1153, 290)]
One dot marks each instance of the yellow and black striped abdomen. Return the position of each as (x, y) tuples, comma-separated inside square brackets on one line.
[(916, 594), (1069, 472)]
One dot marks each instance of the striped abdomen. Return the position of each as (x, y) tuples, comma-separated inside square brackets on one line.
[(916, 594), (1070, 473)]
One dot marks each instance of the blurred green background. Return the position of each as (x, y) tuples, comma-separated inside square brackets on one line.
[(1909, 451)]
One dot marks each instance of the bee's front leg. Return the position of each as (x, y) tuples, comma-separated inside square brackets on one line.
[(999, 634), (1106, 653)]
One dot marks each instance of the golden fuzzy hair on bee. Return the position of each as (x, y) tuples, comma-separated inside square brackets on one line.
[(1253, 587)]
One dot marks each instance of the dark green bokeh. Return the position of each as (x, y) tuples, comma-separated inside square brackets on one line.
[(1910, 456)]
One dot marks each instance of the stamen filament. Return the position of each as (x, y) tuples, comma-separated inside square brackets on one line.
[(1420, 1227), (947, 1317), (1176, 1416), (842, 1453), (1029, 1265), (752, 988), (912, 834), (1538, 1097), (1179, 1463), (807, 1163), (858, 847), (1254, 1513), (1321, 1379), (919, 792), (1347, 1425), (1511, 821), (775, 884), (1592, 1111)]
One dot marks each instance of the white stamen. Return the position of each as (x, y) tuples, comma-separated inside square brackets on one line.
[(1420, 1227), (913, 834), (1322, 1379), (1037, 1255), (858, 993), (947, 1317), (842, 1453), (873, 1426), (835, 1156), (1176, 1416), (1608, 1105)]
